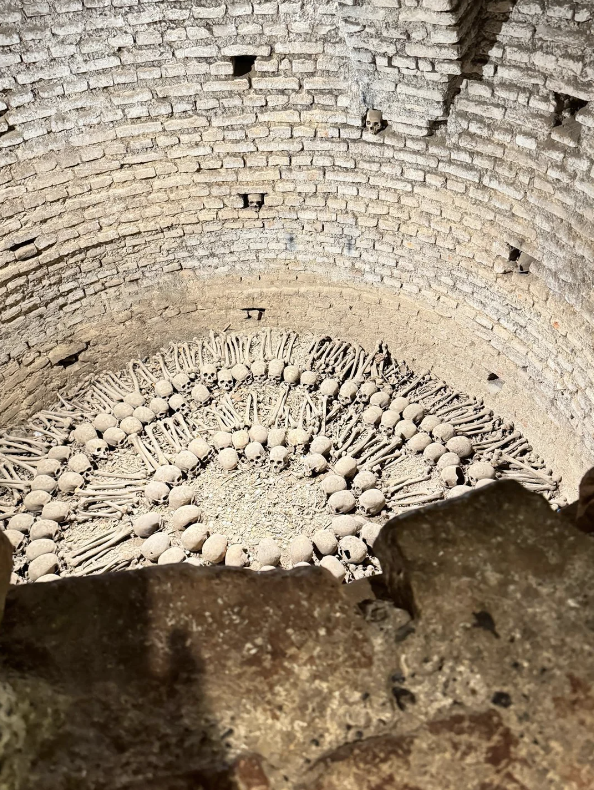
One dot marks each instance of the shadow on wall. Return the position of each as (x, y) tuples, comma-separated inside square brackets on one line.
[(119, 670), (488, 21)]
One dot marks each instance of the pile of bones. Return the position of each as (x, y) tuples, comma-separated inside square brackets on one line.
[(107, 479)]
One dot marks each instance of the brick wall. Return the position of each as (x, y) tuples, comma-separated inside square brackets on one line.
[(126, 144)]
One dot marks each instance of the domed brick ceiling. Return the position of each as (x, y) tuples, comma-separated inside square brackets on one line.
[(165, 166)]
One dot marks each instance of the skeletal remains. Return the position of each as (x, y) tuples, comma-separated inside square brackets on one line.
[(104, 479)]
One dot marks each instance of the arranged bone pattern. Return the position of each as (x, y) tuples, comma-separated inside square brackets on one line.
[(106, 479)]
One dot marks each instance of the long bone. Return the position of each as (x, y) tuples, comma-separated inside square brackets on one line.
[(427, 497), (226, 421), (14, 462), (171, 435), (280, 344), (123, 534), (345, 437), (126, 475), (182, 426), (392, 487), (410, 387), (278, 408), (534, 482), (110, 566), (151, 464), (517, 463), (479, 429), (498, 444), (323, 414), (382, 454), (289, 351), (160, 453), (471, 417), (461, 406), (376, 447), (228, 404), (344, 365), (92, 543)]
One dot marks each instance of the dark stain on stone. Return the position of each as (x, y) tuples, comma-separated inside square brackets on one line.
[(484, 620), (502, 699), (403, 697)]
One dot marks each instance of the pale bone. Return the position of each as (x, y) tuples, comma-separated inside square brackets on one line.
[(397, 485), (279, 458), (100, 548), (151, 463)]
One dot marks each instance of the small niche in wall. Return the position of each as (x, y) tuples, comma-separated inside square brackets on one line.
[(566, 107), (243, 65), (494, 383), (522, 260), (253, 200)]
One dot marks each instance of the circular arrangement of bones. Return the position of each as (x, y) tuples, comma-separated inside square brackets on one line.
[(313, 441)]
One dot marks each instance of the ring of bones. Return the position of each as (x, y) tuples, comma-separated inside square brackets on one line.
[(109, 478)]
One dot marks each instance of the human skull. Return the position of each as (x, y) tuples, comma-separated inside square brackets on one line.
[(381, 399), (388, 423), (103, 421), (363, 481), (341, 502), (372, 415), (159, 406), (374, 121), (348, 392), (163, 388), (309, 379), (314, 464), (97, 449), (480, 470), (371, 502), (228, 459), (201, 449), (209, 375), (279, 458), (366, 390), (114, 437), (48, 466), (181, 381), (277, 437), (69, 482), (178, 402), (156, 492), (291, 375), (255, 200), (298, 439), (329, 388), (255, 454), (258, 433), (225, 379), (321, 444), (201, 394), (240, 439), (222, 439), (352, 549), (84, 433), (275, 370), (241, 373), (168, 474), (259, 371)]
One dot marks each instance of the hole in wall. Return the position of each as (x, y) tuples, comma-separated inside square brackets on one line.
[(68, 361), (243, 65), (18, 244), (494, 383), (251, 312), (566, 107), (253, 200), (514, 254)]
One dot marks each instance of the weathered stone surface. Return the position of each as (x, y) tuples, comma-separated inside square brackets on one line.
[(59, 354), (141, 674), (503, 590)]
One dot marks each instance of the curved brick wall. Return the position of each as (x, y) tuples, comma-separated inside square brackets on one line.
[(126, 144)]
